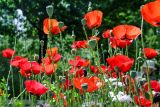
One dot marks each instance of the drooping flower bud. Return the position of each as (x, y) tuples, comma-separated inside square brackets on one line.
[(83, 21), (61, 25), (49, 10), (92, 43)]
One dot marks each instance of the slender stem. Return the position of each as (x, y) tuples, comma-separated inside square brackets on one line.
[(85, 32), (18, 96), (10, 67)]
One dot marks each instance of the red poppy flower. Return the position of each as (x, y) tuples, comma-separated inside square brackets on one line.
[(79, 72), (95, 69), (52, 51), (114, 43), (93, 83), (154, 86), (35, 67), (24, 74), (93, 18), (123, 63), (107, 33), (142, 101), (54, 27), (56, 58), (8, 53), (34, 87), (66, 84), (79, 44), (150, 53), (17, 61), (126, 32), (30, 67), (79, 62), (151, 13), (49, 69)]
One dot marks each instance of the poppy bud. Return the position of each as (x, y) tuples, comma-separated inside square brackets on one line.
[(83, 21), (60, 24), (95, 32), (49, 10), (92, 43), (62, 79), (85, 86), (73, 51), (73, 35), (89, 6), (36, 57), (133, 74)]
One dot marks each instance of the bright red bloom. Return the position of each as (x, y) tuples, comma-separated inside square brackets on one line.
[(95, 69), (54, 27), (79, 44), (52, 52), (79, 62), (24, 74), (49, 69), (8, 53), (126, 32), (78, 72), (119, 43), (142, 101), (154, 86), (93, 18), (123, 63), (150, 53), (17, 61), (30, 67), (66, 84), (34, 87), (151, 13), (47, 66), (56, 58), (93, 83), (107, 33)]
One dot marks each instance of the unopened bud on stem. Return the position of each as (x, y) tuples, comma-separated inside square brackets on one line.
[(49, 10)]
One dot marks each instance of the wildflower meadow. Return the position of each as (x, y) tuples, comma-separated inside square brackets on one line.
[(116, 66)]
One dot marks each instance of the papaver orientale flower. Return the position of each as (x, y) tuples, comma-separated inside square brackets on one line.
[(17, 61), (31, 67), (126, 32), (107, 33), (79, 62), (142, 101), (34, 87), (8, 53), (151, 13), (78, 72), (150, 53), (53, 55), (97, 70), (122, 62), (47, 66), (53, 25), (154, 85), (93, 18), (89, 84), (114, 43), (79, 44)]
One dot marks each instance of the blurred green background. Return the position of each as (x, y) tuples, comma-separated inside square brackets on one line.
[(23, 19)]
